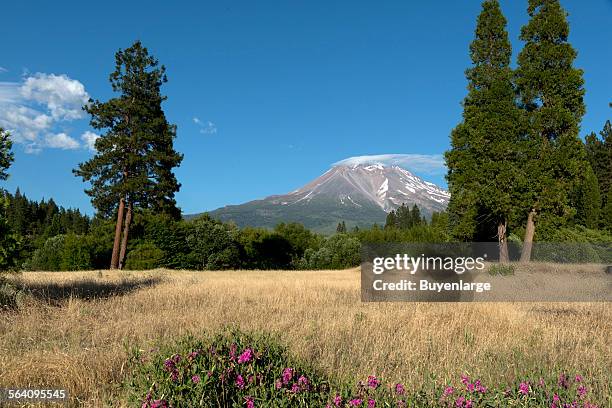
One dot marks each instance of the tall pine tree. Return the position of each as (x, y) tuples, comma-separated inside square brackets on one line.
[(132, 167), (8, 240), (599, 153), (6, 155), (551, 93), (483, 163)]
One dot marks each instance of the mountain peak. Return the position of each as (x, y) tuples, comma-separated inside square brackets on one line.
[(358, 192)]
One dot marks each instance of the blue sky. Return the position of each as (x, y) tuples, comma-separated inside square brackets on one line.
[(281, 90)]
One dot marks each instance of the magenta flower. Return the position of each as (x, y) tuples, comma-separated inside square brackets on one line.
[(169, 365), (524, 388), (159, 404), (195, 379), (578, 378), (303, 382), (399, 389), (337, 400), (479, 387), (174, 376), (468, 404), (233, 349), (582, 391), (448, 391), (373, 382), (355, 402), (246, 356), (239, 382), (459, 402), (249, 402), (191, 356), (465, 379), (563, 381), (371, 403), (287, 375), (295, 388)]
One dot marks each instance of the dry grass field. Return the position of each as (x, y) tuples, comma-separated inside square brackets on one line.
[(74, 330)]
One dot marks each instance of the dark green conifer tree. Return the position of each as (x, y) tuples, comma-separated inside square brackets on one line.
[(133, 165), (588, 200), (8, 240), (484, 163), (6, 155), (599, 153), (551, 93)]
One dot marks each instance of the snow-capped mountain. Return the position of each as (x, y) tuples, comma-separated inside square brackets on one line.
[(385, 186), (359, 194)]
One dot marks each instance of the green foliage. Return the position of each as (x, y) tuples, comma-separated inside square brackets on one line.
[(135, 156), (484, 165), (501, 269), (226, 370), (213, 244), (9, 242), (144, 256), (404, 218), (6, 156), (341, 228), (49, 256), (337, 252), (599, 153), (606, 212), (75, 254), (588, 200), (68, 252), (551, 93), (235, 369)]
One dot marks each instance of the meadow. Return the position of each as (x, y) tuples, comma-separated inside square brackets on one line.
[(74, 330)]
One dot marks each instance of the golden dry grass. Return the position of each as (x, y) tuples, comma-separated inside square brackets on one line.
[(77, 340)]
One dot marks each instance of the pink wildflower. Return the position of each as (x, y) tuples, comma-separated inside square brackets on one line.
[(246, 356), (373, 382), (524, 388)]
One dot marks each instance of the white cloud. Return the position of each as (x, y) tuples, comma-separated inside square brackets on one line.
[(2, 70), (32, 109), (89, 138), (206, 127), (63, 97), (61, 141), (430, 164)]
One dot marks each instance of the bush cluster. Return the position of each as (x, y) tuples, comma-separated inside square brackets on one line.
[(235, 369)]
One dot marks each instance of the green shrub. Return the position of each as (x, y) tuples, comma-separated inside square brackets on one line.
[(501, 269), (339, 251), (49, 256), (234, 369), (227, 370), (144, 256), (62, 253)]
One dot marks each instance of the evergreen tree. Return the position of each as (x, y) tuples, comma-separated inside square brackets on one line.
[(415, 215), (588, 200), (599, 153), (8, 240), (6, 156), (483, 163), (551, 93), (606, 212), (132, 167), (391, 221), (341, 228)]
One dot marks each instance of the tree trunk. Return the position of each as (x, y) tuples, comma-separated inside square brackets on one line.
[(115, 257), (126, 231), (528, 241), (503, 243)]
